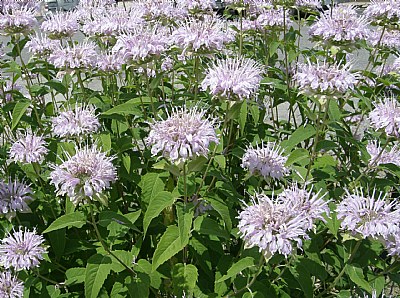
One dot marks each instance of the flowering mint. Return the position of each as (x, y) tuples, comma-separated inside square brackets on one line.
[(273, 17), (84, 175), (390, 39), (196, 35), (266, 161), (159, 10), (303, 202), (41, 46), (76, 122), (340, 25), (309, 4), (109, 62), (383, 11), (325, 79), (17, 20), (10, 286), (382, 157), (392, 244), (271, 226), (21, 250), (368, 216), (60, 25), (233, 78), (14, 197), (82, 55), (196, 6), (386, 115), (7, 91), (29, 148), (183, 135)]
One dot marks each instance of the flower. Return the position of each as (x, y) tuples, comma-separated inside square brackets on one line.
[(141, 43), (80, 121), (273, 18), (14, 196), (385, 11), (196, 35), (82, 55), (368, 216), (109, 62), (10, 286), (233, 77), (8, 89), (324, 78), (195, 6), (386, 115), (183, 135), (309, 4), (60, 25), (159, 10), (390, 39), (272, 226), (41, 46), (340, 25), (29, 148), (22, 250), (392, 244), (382, 157), (17, 20), (84, 175), (266, 161), (307, 203)]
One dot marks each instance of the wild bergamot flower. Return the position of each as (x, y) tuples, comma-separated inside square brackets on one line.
[(29, 148), (386, 115), (14, 197), (10, 286)]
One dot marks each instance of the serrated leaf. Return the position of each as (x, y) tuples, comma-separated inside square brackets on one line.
[(138, 286), (76, 219), (208, 226), (18, 111), (297, 156), (356, 275), (236, 268), (151, 184), (125, 256), (127, 108), (157, 204), (170, 244), (75, 275), (57, 85), (184, 278), (197, 164), (243, 116), (299, 135), (107, 217), (220, 206), (185, 218), (97, 269)]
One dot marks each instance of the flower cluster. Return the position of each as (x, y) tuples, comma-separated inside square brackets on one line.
[(14, 196), (383, 11), (386, 115), (368, 216), (382, 157), (10, 286), (273, 18), (17, 20), (233, 77), (60, 25), (22, 250), (41, 46), (183, 135), (29, 148), (77, 56), (84, 175), (80, 121), (266, 161)]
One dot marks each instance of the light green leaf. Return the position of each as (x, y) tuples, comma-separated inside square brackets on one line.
[(125, 256), (221, 207), (243, 117), (157, 204), (138, 286), (19, 110), (126, 108), (151, 184), (185, 218), (299, 135), (76, 219), (208, 226), (237, 268), (97, 269), (297, 156), (184, 278), (75, 275), (356, 275), (170, 244)]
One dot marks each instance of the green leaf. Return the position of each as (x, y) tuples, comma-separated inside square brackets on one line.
[(299, 135), (297, 156), (243, 116), (19, 110), (76, 219), (157, 204), (58, 240), (221, 207), (303, 278), (185, 218), (138, 286), (197, 164), (184, 278), (333, 224), (236, 268), (151, 184), (57, 85), (208, 226), (97, 269), (75, 275), (356, 275), (170, 244), (126, 108), (125, 256), (107, 217)]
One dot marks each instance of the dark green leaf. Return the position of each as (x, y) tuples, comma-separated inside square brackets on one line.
[(76, 219)]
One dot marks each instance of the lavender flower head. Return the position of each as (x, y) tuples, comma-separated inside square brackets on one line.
[(22, 250), (273, 17), (386, 115), (378, 157), (84, 175), (266, 161), (82, 55), (309, 4), (60, 25), (141, 44), (77, 122), (325, 79), (368, 216), (10, 286), (272, 226), (204, 35), (109, 62), (392, 244), (383, 11), (29, 148), (17, 20), (14, 196), (196, 6), (183, 135), (340, 25), (233, 78), (159, 10), (41, 46), (390, 39)]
